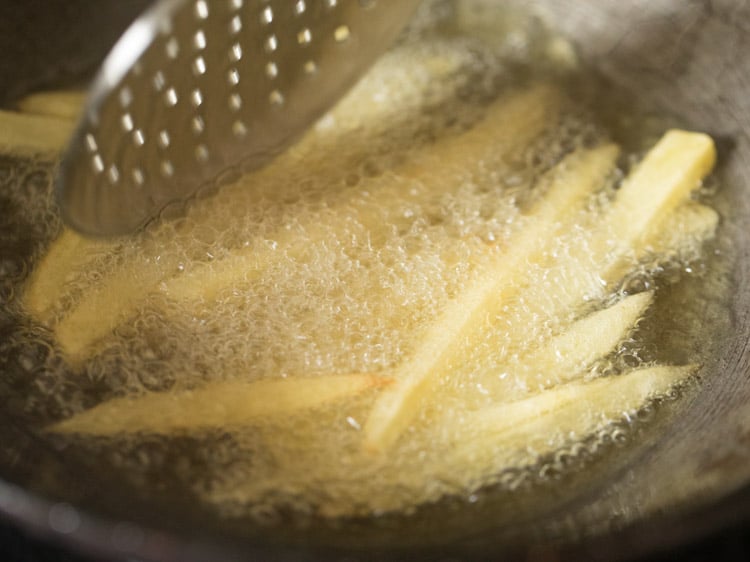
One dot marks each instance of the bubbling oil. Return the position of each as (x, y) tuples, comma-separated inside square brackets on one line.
[(353, 257)]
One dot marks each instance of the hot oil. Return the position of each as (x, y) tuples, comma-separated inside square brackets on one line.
[(348, 258)]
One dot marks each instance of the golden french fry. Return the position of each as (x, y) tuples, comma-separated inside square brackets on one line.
[(64, 104), (455, 332), (502, 435), (217, 405), (36, 133)]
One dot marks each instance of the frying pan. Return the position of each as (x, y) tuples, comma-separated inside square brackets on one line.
[(689, 476)]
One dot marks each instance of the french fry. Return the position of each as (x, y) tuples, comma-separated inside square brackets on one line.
[(678, 236), (64, 104), (566, 356), (665, 178), (217, 405), (453, 335), (494, 437), (510, 123), (679, 229), (35, 133), (661, 182), (108, 304), (632, 226), (688, 226), (67, 255)]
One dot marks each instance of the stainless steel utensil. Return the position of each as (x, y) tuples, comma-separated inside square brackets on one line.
[(695, 477), (196, 92)]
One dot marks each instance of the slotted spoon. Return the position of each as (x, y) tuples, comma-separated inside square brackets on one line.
[(198, 91)]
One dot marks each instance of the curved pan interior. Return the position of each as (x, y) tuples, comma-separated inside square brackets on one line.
[(691, 476)]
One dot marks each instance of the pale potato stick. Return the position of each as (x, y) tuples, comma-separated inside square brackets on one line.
[(569, 404), (217, 405), (207, 280), (105, 306), (20, 132), (510, 123), (648, 197), (65, 256), (490, 438), (65, 104), (689, 225), (679, 235), (671, 227), (664, 179), (566, 356), (453, 335), (630, 228)]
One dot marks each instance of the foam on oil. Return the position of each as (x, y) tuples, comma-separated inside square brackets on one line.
[(350, 253)]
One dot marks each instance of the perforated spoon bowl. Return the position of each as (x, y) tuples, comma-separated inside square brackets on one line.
[(198, 91)]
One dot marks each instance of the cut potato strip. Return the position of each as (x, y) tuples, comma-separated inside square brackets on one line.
[(448, 341), (510, 124), (217, 405), (661, 182), (105, 306), (632, 225), (660, 185), (691, 224), (665, 178), (672, 228), (560, 359), (677, 237), (515, 122), (65, 104), (541, 424), (67, 255), (568, 355), (20, 132)]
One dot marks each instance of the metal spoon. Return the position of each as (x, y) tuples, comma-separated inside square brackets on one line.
[(198, 91)]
